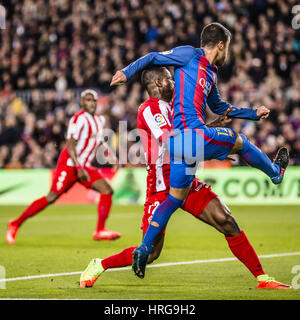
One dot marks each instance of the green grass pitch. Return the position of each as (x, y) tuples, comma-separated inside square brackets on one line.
[(59, 240)]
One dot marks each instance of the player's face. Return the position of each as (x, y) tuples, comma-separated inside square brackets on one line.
[(223, 53), (167, 86), (89, 104)]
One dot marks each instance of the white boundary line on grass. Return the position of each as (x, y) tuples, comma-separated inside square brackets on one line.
[(275, 255)]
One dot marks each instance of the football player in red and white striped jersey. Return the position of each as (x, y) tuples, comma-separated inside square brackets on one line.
[(84, 136)]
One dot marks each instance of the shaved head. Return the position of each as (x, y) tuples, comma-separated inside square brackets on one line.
[(158, 82), (149, 76)]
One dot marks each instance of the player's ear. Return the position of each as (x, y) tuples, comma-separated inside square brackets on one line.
[(158, 82), (221, 45)]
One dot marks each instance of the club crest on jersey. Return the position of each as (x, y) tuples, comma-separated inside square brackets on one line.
[(160, 120), (166, 52)]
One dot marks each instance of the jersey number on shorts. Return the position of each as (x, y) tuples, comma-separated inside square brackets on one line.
[(61, 180)]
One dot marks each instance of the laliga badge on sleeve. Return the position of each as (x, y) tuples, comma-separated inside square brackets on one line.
[(159, 120)]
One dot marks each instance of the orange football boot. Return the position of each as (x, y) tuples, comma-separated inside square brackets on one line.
[(266, 282), (106, 234), (11, 232)]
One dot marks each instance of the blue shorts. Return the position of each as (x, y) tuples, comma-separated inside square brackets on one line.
[(190, 147)]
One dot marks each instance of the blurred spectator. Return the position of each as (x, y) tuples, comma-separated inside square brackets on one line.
[(51, 50)]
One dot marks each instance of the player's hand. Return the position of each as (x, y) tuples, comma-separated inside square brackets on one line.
[(222, 120), (115, 167), (83, 175), (262, 112), (118, 78)]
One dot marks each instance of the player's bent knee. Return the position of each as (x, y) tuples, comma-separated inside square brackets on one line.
[(103, 187), (179, 194), (238, 144), (109, 191), (106, 191)]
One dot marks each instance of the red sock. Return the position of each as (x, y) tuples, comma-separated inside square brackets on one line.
[(104, 206), (31, 210), (121, 259), (243, 250)]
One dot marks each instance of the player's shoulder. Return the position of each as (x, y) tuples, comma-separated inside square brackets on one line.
[(179, 50), (188, 47), (151, 103), (146, 111), (153, 107), (78, 115), (79, 112), (189, 50), (153, 112)]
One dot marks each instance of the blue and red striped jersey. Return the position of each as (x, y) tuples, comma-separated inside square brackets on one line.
[(195, 86)]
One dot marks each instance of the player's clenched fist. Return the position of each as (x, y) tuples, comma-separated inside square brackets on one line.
[(263, 112), (118, 78)]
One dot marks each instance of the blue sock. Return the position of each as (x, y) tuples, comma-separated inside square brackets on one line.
[(160, 219), (258, 159)]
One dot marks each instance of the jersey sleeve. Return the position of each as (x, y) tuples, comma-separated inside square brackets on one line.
[(176, 57), (155, 122), (75, 127), (219, 106)]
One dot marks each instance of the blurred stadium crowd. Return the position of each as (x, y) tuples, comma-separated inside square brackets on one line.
[(51, 50)]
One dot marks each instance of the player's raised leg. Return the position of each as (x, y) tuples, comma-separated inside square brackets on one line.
[(258, 159), (218, 215), (104, 206), (34, 208)]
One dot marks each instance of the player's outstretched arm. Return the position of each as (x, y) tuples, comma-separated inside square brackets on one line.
[(219, 106), (176, 57)]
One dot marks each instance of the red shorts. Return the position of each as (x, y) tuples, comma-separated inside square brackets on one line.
[(197, 200), (65, 176)]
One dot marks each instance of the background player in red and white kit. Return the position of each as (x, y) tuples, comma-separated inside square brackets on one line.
[(153, 121), (84, 136)]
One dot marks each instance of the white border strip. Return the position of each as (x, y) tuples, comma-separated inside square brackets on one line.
[(275, 255)]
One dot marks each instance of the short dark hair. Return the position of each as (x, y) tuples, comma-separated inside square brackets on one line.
[(152, 74), (213, 33)]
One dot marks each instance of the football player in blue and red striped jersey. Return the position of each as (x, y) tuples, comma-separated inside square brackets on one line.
[(191, 141), (154, 122)]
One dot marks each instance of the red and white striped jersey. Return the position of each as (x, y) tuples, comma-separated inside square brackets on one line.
[(87, 130), (154, 122)]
